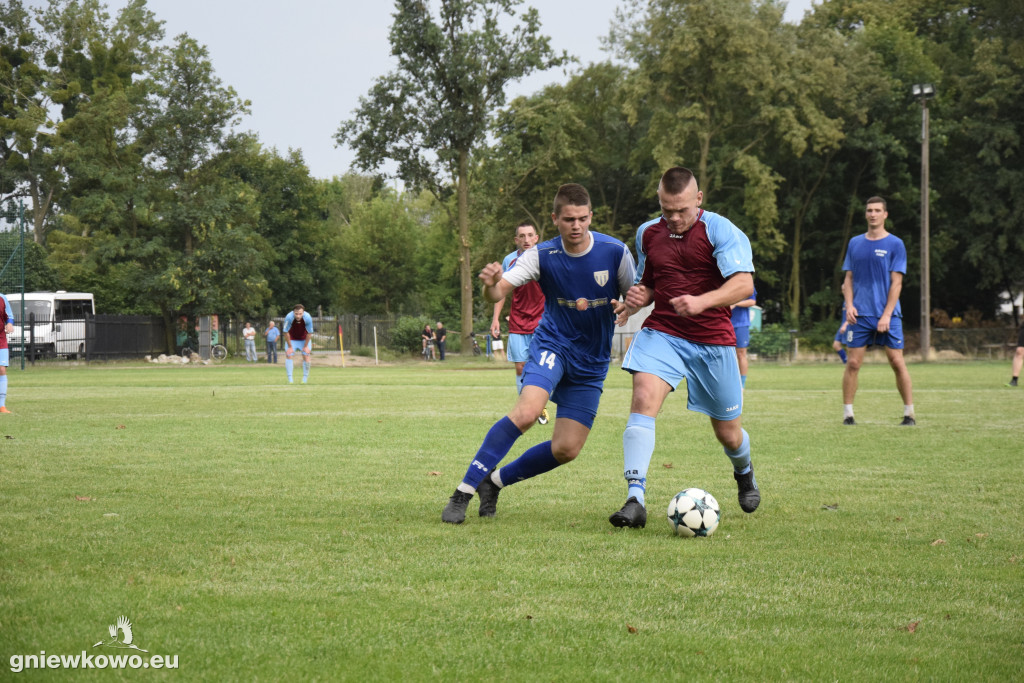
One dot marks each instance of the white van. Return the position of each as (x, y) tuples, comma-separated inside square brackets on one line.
[(58, 322)]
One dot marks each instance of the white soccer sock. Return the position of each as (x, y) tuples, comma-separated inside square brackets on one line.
[(908, 410), (847, 410)]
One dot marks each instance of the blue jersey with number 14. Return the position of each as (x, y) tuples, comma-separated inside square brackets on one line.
[(579, 320)]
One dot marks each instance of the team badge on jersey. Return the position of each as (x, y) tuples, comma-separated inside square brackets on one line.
[(601, 277)]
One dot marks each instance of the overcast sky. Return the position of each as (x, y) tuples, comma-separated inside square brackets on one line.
[(304, 64)]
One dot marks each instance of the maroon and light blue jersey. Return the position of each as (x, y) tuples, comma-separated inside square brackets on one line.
[(696, 262), (6, 316), (298, 328), (527, 302)]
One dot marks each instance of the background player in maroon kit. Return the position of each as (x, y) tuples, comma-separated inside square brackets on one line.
[(525, 312), (7, 326)]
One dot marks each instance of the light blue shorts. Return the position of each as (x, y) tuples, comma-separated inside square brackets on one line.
[(297, 345), (865, 333), (518, 348), (5, 357), (711, 372)]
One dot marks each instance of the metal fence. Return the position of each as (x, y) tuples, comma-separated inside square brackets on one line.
[(97, 337)]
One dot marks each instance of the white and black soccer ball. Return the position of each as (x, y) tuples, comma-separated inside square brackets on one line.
[(694, 512)]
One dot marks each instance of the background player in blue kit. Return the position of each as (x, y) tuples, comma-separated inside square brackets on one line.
[(740, 316), (875, 264), (582, 275), (298, 331)]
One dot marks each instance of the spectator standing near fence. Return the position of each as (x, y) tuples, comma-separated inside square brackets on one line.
[(249, 336), (440, 335), (298, 331), (272, 333), (7, 315)]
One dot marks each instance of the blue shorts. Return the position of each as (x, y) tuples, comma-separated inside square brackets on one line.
[(518, 348), (575, 387), (297, 345), (711, 372), (5, 357), (865, 333), (742, 336)]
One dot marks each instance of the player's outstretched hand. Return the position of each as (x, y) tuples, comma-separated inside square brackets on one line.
[(491, 274), (622, 312)]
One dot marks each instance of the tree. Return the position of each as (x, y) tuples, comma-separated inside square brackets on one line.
[(197, 244), (431, 115), (378, 259)]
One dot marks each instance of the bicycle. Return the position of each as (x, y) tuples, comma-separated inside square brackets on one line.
[(477, 351), (428, 351), (191, 345)]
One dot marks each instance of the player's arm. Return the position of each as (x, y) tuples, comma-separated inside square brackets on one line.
[(496, 288), (851, 310), (499, 306), (738, 287), (895, 287), (746, 303)]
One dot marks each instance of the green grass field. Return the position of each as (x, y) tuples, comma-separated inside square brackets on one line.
[(261, 531)]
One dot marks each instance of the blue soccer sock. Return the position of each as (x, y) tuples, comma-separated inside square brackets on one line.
[(3, 390), (743, 381), (741, 456), (305, 370), (536, 460), (637, 449), (496, 446), (842, 354), (519, 383), (288, 367)]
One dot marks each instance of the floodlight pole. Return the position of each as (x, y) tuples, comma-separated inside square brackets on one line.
[(924, 92)]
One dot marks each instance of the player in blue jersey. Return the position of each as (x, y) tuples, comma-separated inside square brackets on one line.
[(875, 264), (694, 265), (741, 326), (6, 328), (840, 339), (298, 336), (582, 275)]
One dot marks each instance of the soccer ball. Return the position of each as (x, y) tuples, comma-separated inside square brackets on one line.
[(694, 512)]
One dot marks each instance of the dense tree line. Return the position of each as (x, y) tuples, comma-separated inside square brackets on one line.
[(124, 146)]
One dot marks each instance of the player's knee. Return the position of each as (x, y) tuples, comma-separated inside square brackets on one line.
[(565, 452)]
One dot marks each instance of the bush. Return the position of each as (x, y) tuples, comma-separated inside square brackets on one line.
[(405, 335), (771, 342), (820, 336)]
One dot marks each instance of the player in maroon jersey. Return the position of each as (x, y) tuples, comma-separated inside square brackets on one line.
[(525, 311), (693, 264)]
